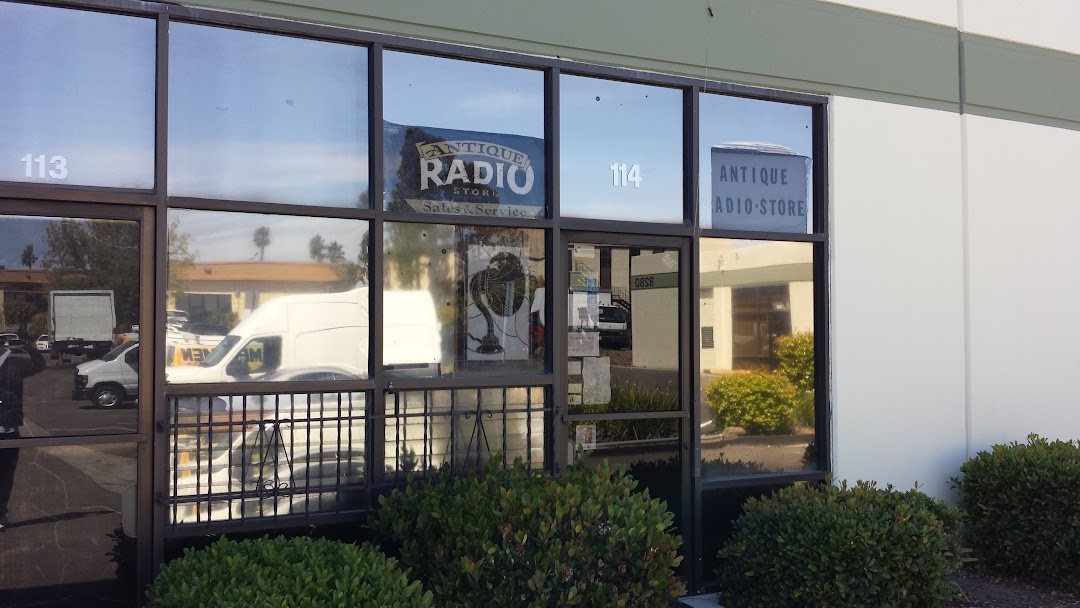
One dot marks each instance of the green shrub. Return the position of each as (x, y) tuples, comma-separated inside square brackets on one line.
[(626, 397), (509, 537), (285, 573), (841, 547), (759, 402), (804, 409), (796, 355), (1022, 509)]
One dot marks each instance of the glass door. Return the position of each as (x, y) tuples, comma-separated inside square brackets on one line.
[(74, 415), (624, 388)]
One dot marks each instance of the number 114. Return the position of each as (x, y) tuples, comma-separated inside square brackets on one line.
[(621, 176)]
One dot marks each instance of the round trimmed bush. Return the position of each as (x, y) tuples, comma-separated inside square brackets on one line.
[(759, 402), (510, 537), (1022, 509), (285, 573), (840, 547)]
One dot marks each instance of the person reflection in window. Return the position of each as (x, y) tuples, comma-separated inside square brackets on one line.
[(16, 364)]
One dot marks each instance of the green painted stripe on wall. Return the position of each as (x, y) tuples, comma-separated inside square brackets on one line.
[(802, 45), (1002, 75)]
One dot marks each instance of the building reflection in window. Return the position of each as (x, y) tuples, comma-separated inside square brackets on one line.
[(757, 367)]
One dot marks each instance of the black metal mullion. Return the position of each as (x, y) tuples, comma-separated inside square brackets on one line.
[(555, 295), (52, 209), (375, 435), (158, 511), (88, 194), (822, 290), (465, 220), (629, 229), (692, 516), (262, 388), (798, 237), (436, 383), (671, 414), (72, 440)]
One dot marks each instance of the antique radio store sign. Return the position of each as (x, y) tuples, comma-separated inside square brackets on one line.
[(432, 170), (759, 187)]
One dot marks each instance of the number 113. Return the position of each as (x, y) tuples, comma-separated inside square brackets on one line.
[(58, 169)]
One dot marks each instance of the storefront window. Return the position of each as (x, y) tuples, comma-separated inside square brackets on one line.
[(463, 138), (268, 297), (757, 371), (621, 150), (266, 118), (755, 171), (78, 100), (463, 300)]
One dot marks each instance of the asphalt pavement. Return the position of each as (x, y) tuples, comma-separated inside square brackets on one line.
[(59, 547)]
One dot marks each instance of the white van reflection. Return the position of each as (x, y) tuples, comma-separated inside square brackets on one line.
[(311, 330)]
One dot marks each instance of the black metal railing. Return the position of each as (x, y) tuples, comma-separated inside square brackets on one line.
[(462, 428), (239, 457), (239, 461)]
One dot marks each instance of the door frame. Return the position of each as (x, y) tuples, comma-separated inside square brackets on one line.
[(143, 438), (689, 425)]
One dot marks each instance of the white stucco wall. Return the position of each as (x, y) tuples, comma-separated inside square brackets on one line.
[(1023, 215), (1053, 24), (898, 376)]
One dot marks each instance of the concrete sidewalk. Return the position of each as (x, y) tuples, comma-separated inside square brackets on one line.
[(709, 600)]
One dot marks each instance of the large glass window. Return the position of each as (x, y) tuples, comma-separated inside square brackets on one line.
[(621, 150), (78, 97), (269, 295), (462, 138), (755, 171), (267, 118), (463, 300), (757, 371)]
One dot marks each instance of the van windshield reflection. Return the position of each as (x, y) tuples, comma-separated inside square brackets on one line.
[(220, 351), (114, 353)]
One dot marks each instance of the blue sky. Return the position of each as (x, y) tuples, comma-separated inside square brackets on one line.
[(276, 119), (105, 63), (218, 236)]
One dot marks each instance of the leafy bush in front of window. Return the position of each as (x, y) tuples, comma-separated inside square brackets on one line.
[(1022, 509), (285, 573), (510, 537), (759, 402), (796, 355), (841, 547)]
